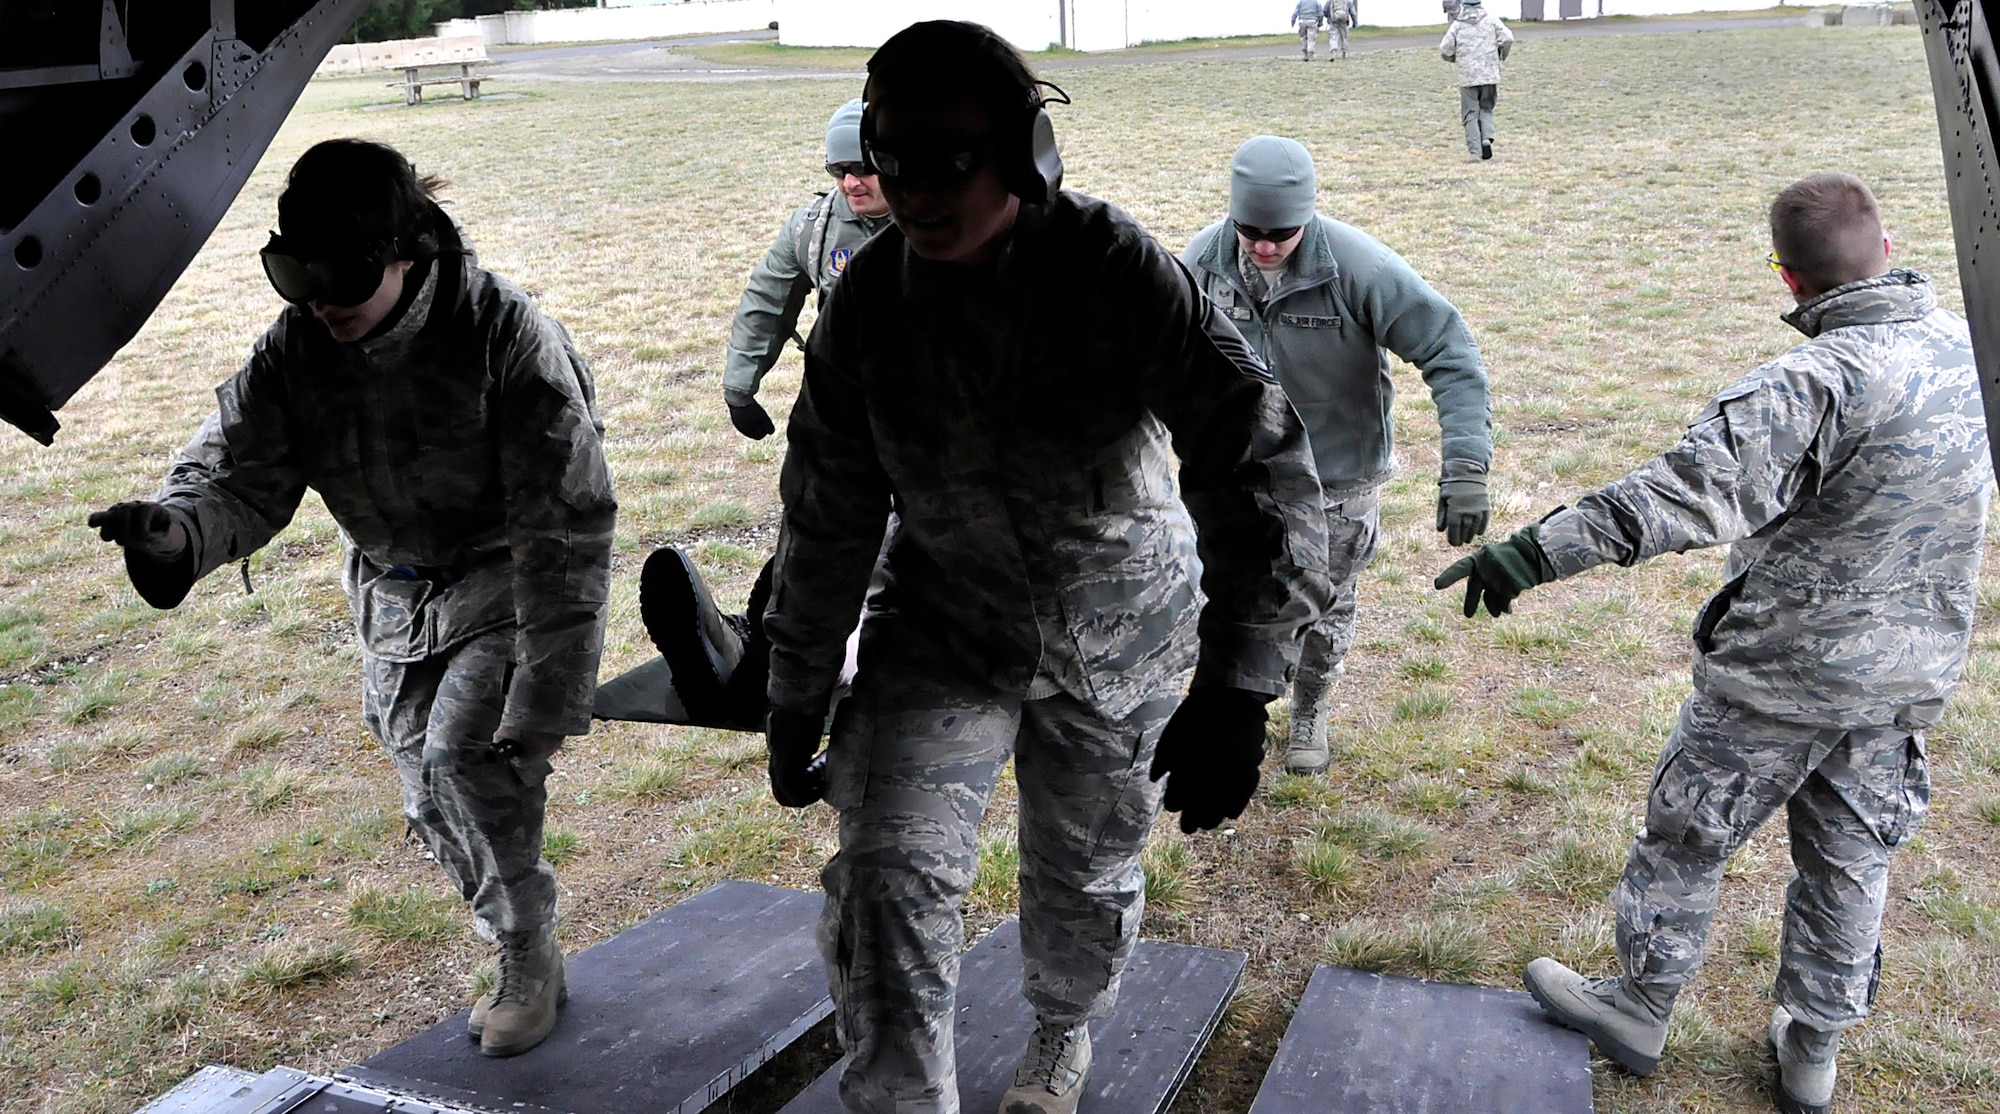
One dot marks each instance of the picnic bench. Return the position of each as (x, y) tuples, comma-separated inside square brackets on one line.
[(465, 75)]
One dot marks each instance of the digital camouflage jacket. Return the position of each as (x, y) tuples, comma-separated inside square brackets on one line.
[(461, 454), (1852, 475), (1023, 422)]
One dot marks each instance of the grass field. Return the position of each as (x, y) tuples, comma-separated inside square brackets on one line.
[(203, 849)]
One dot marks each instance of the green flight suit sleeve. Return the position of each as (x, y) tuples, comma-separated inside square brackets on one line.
[(560, 512), (1742, 465), (235, 484), (1408, 317), (768, 313)]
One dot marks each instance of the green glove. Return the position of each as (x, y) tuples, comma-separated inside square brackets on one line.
[(1463, 508), (1499, 571)]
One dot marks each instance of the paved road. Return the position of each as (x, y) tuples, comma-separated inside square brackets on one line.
[(669, 60)]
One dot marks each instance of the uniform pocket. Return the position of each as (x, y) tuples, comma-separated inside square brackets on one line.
[(1715, 610), (1695, 803), (1910, 800), (392, 618)]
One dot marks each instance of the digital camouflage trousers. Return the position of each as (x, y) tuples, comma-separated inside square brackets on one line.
[(913, 760), (478, 813), (1850, 797)]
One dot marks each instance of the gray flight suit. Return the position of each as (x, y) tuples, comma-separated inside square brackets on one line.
[(1344, 302), (811, 251), (1851, 474), (461, 455), (1045, 597)]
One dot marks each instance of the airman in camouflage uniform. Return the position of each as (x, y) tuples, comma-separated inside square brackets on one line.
[(1476, 42), (1852, 476), (451, 429), (809, 254), (1325, 304), (1307, 15), (1017, 370)]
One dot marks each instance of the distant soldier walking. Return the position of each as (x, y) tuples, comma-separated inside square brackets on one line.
[(1307, 16), (1852, 476), (1339, 16), (1478, 42), (452, 431)]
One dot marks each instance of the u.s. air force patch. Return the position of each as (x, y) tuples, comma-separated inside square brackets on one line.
[(837, 259)]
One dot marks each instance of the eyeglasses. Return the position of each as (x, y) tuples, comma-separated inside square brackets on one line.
[(934, 165), (1268, 235), (840, 170), (344, 280), (1775, 263)]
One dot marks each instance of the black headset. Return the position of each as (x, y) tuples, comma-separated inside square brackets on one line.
[(1031, 165)]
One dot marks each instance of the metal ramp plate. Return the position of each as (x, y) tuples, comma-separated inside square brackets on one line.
[(664, 1017), (220, 1090), (1169, 1003), (1380, 1044)]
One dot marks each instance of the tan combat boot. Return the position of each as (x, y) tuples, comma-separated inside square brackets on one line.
[(525, 999), (1306, 748), (1805, 1065), (1622, 1026), (475, 1023), (1050, 1079)]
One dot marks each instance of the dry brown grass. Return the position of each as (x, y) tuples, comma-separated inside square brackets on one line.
[(203, 854)]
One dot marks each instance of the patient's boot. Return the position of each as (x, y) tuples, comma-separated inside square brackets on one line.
[(746, 688), (701, 644), (1805, 1065), (1622, 1023)]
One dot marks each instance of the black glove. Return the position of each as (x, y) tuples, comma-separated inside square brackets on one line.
[(1463, 507), (1499, 571), (798, 770), (751, 421), (145, 527), (1210, 754)]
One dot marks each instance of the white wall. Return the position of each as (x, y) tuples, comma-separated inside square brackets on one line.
[(647, 21), (353, 58), (1114, 24), (1028, 24)]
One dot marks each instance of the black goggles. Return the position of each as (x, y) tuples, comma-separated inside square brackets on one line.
[(840, 170), (342, 280), (932, 165), (1268, 235)]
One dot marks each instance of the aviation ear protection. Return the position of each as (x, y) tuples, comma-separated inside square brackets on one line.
[(1031, 165)]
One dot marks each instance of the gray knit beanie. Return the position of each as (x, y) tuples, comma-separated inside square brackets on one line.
[(843, 134), (1271, 183)]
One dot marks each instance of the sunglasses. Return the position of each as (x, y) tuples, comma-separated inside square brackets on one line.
[(342, 280), (1775, 263), (840, 170), (935, 165), (1268, 235)]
